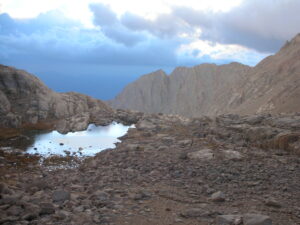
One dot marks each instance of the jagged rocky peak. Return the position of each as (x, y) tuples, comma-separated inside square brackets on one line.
[(208, 89), (154, 76), (292, 43)]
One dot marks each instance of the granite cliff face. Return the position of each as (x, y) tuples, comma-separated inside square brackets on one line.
[(25, 102), (273, 86)]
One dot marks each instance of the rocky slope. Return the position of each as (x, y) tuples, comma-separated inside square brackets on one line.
[(242, 170), (273, 86), (25, 102), (224, 170)]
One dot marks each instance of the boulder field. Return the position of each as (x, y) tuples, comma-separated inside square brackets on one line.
[(242, 170)]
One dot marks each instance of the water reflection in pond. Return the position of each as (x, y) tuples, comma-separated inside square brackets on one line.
[(81, 143)]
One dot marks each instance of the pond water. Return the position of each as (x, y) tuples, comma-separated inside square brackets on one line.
[(81, 143)]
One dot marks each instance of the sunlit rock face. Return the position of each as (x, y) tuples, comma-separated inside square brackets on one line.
[(272, 86), (81, 143)]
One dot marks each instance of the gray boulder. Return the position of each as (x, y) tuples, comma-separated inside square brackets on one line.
[(246, 219), (25, 102)]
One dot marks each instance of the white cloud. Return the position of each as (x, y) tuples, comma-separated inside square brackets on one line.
[(204, 5), (237, 53), (79, 9)]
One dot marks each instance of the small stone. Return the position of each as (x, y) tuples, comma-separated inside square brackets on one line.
[(238, 221), (218, 196), (184, 143), (256, 219), (30, 216), (67, 152), (46, 208), (15, 210), (4, 189), (272, 203), (61, 215), (183, 156), (204, 154), (61, 196), (162, 148), (97, 218), (228, 219), (61, 144), (192, 213), (178, 220), (9, 200), (8, 219), (230, 154), (142, 195)]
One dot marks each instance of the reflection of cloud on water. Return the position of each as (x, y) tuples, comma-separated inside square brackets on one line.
[(87, 142)]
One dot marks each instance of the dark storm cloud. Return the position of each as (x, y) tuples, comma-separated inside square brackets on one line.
[(164, 26), (228, 28), (48, 39), (260, 25), (123, 35), (110, 25)]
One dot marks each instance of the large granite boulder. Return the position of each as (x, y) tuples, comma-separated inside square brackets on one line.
[(25, 102)]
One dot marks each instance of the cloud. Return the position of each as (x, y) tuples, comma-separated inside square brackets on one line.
[(164, 26), (260, 25), (63, 40), (122, 35), (103, 15), (110, 25)]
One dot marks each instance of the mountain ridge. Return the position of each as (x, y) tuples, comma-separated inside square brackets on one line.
[(272, 86)]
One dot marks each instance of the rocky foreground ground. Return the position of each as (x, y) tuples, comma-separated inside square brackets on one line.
[(168, 170)]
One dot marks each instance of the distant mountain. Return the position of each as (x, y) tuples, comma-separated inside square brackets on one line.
[(273, 86)]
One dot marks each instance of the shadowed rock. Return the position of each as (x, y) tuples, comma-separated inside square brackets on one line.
[(25, 102)]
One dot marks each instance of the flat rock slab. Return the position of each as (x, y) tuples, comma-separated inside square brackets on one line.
[(231, 154), (246, 219), (204, 154), (256, 219), (192, 213), (228, 219)]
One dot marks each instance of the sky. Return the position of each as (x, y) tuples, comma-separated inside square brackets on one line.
[(98, 46)]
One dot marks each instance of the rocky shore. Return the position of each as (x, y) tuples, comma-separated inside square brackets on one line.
[(168, 170)]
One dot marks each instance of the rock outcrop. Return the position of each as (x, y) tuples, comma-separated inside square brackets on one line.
[(273, 86), (25, 102), (168, 170)]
